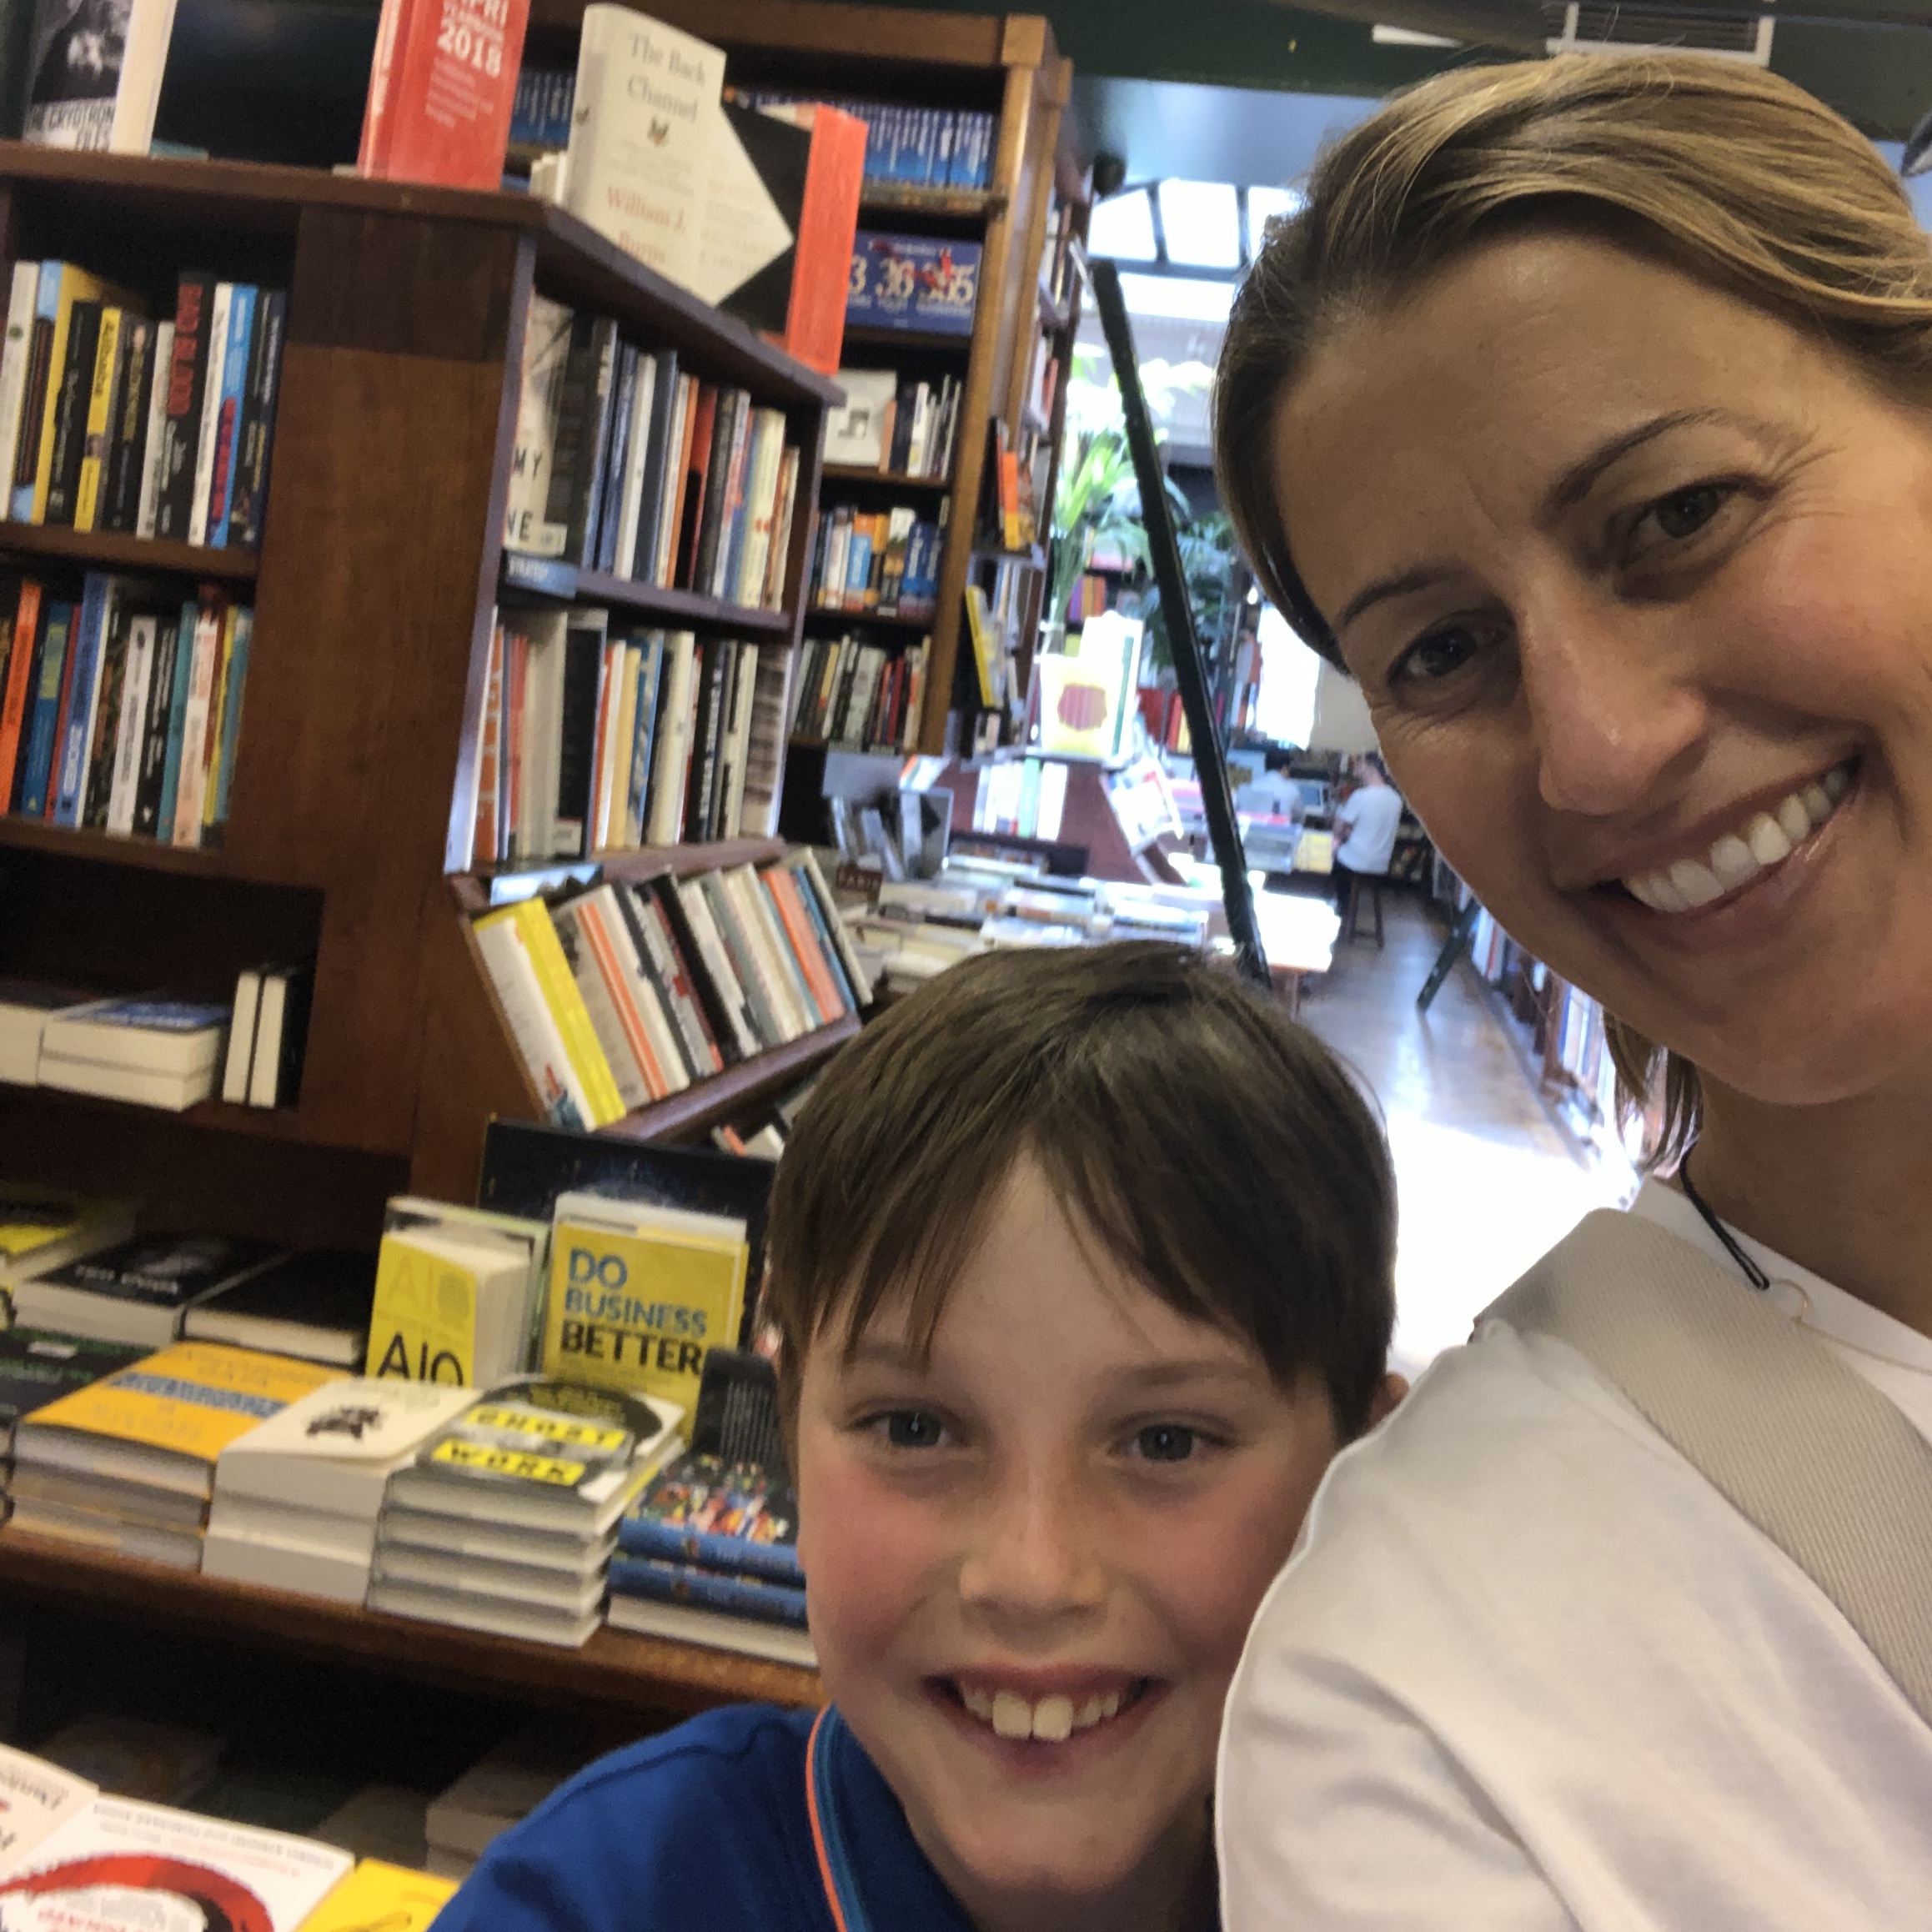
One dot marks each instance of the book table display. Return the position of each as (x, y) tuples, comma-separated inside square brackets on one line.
[(374, 588)]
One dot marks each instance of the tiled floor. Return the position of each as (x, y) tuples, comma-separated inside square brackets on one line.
[(1488, 1181)]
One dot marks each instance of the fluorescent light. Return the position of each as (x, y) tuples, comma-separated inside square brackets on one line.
[(1122, 226), (1408, 37), (1176, 297), (1199, 220)]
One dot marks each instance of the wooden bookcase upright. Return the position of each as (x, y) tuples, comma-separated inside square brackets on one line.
[(351, 808), (1007, 65)]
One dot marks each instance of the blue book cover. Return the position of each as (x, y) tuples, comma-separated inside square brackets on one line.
[(235, 388), (858, 568), (70, 788), (737, 1596), (231, 715), (815, 912), (149, 1015), (46, 305), (922, 283), (641, 743), (251, 485), (46, 712), (733, 1517), (177, 721)]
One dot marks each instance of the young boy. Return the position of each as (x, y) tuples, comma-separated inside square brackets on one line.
[(1081, 1264)]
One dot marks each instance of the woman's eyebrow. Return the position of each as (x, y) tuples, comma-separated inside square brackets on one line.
[(1581, 478)]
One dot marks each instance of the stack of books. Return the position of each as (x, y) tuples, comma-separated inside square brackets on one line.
[(505, 1522), (709, 1554), (316, 1303), (591, 743), (41, 1228), (121, 706), (898, 428), (139, 1290), (152, 1050), (26, 1006), (153, 429), (640, 990), (626, 465), (37, 1368), (128, 1463), (501, 1789), (296, 1499)]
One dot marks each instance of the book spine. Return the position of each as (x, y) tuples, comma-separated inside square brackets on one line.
[(650, 987), (644, 738), (21, 663), (237, 359), (675, 1582), (97, 787), (618, 1032), (153, 432), (637, 456), (53, 656), (191, 762), (645, 1535), (54, 305), (658, 457), (33, 416), (681, 983), (184, 646), (484, 844), (16, 359), (716, 491), (154, 739), (731, 531), (186, 368), (131, 728), (218, 712), (73, 392), (83, 688), (539, 937), (122, 495), (746, 967), (633, 985), (258, 442), (533, 1026), (207, 427), (617, 458), (103, 408), (688, 901), (235, 688)]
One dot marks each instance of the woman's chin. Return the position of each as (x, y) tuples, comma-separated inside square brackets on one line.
[(1844, 1051)]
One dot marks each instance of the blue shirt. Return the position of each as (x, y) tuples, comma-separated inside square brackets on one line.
[(712, 1825)]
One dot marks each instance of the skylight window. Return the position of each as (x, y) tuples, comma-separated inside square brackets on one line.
[(1201, 223), (1122, 226)]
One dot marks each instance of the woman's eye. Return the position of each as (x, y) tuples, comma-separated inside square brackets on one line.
[(911, 1428), (1436, 656), (1165, 1442), (1685, 512)]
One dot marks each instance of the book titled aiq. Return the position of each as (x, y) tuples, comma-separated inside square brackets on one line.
[(916, 283)]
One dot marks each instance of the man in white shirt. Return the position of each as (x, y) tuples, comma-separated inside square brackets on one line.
[(1459, 1707), (1365, 828)]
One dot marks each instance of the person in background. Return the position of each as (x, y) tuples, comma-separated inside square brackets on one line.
[(1274, 794), (1365, 828)]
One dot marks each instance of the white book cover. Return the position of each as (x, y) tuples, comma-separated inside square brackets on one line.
[(14, 359), (175, 1093), (97, 73), (131, 729), (856, 434), (644, 129), (267, 1566), (648, 1617), (568, 1555), (265, 1061), (36, 1798), (546, 352), (672, 756), (147, 1032), (767, 458), (235, 1079), (164, 359), (532, 1024), (493, 1615), (511, 1584), (637, 455), (333, 1449), (218, 345), (717, 962), (121, 1866), (287, 1526)]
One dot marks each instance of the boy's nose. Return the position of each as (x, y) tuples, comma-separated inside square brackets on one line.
[(1036, 1556)]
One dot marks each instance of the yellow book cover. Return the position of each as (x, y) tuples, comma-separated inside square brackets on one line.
[(100, 409), (424, 1324), (629, 1308), (566, 1004), (76, 285), (219, 698), (979, 622), (193, 1399), (381, 1897)]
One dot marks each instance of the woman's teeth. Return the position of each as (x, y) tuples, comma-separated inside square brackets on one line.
[(1053, 1719), (1769, 838)]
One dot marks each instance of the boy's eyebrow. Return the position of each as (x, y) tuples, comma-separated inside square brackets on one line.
[(1166, 1373)]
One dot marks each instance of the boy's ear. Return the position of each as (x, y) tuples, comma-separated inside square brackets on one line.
[(1389, 1392)]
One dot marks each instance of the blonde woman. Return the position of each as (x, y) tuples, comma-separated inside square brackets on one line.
[(1584, 415)]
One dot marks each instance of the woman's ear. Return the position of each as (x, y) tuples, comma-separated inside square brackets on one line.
[(1390, 1392)]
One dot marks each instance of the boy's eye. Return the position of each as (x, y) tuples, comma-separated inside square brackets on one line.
[(911, 1428), (1165, 1442)]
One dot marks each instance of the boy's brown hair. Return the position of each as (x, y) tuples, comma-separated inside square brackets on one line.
[(1212, 1147)]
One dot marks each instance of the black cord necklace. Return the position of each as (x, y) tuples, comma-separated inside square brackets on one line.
[(1749, 1269)]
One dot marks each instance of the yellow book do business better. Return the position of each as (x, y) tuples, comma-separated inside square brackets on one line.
[(639, 1294)]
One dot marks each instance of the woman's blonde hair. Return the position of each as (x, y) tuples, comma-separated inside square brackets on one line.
[(1726, 171)]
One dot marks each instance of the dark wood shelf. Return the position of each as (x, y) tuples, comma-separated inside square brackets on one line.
[(475, 895), (842, 618), (894, 479), (615, 1670), (956, 205), (692, 1114), (1033, 556), (35, 835), (115, 551), (276, 1123), (914, 338), (541, 577)]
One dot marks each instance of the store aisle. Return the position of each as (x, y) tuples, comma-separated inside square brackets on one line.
[(1487, 1182)]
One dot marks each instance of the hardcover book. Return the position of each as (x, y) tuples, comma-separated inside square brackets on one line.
[(137, 1292), (316, 1305), (442, 85)]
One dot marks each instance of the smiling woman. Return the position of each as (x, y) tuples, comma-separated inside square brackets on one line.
[(1581, 416)]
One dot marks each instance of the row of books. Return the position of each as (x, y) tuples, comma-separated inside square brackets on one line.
[(918, 284), (85, 1856), (887, 423), (883, 562), (120, 709), (592, 743), (910, 146), (861, 695), (155, 429), (619, 994), (623, 464)]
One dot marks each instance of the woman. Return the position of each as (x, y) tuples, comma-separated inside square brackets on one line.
[(1584, 415)]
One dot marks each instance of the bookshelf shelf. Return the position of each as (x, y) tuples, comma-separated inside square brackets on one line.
[(890, 479), (113, 550), (692, 1114), (543, 577), (278, 1123), (476, 892), (912, 626), (978, 205), (1033, 557), (35, 835), (615, 1670), (931, 340)]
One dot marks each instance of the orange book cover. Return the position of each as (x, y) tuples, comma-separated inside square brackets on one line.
[(815, 319), (441, 87), (697, 471), (1011, 533), (19, 667), (783, 888), (687, 388)]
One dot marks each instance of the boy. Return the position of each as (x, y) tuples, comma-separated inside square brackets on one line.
[(1082, 1266)]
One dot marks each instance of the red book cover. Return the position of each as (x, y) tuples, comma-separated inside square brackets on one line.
[(814, 320), (19, 669), (516, 678), (667, 564), (483, 843), (697, 469), (441, 88)]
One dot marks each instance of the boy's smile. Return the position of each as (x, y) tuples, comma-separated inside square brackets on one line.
[(1032, 1561)]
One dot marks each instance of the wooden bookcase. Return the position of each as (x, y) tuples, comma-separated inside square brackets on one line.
[(1004, 64), (352, 802)]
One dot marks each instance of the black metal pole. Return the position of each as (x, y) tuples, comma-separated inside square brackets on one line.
[(1210, 760)]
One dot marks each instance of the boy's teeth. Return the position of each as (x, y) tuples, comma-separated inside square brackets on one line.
[(1052, 1720), (1734, 859)]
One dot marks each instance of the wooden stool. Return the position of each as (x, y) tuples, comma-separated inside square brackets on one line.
[(1370, 882)]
